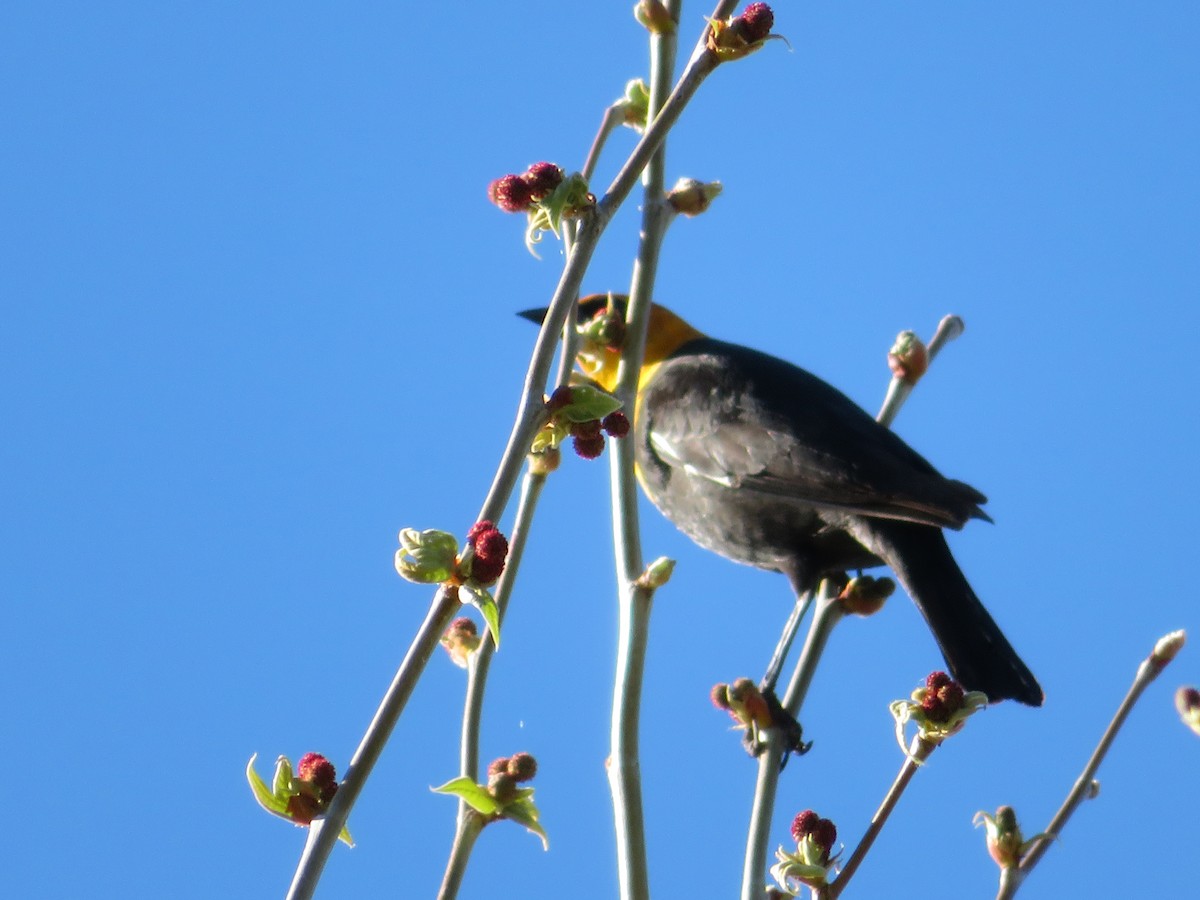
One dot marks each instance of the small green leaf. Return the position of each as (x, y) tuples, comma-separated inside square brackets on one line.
[(271, 801), (486, 604), (525, 813), (426, 557), (589, 403), (474, 795)]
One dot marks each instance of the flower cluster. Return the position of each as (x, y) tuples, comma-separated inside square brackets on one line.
[(585, 414), (431, 557), (516, 193), (503, 797), (546, 195), (298, 795), (505, 773), (940, 708), (813, 858)]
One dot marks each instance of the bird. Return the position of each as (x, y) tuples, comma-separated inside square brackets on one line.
[(764, 463)]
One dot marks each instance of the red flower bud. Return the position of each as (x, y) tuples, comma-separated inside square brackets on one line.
[(589, 447), (804, 824), (511, 193), (542, 178), (316, 768), (319, 772), (825, 834), (588, 430), (943, 701), (522, 766), (616, 424), (491, 550), (491, 545), (478, 528), (755, 22), (935, 680)]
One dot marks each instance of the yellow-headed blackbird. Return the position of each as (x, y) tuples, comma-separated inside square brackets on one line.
[(766, 464)]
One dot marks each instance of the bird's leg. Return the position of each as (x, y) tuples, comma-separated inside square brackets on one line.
[(790, 629)]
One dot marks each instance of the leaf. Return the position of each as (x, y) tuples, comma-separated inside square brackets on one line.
[(267, 799), (525, 813), (589, 403), (486, 604), (474, 795), (426, 557)]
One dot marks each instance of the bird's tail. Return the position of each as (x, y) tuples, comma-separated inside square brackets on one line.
[(978, 654)]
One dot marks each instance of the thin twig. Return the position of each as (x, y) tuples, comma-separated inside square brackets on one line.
[(323, 832), (624, 773), (469, 827), (828, 613), (480, 660), (614, 118), (1151, 667), (829, 610), (918, 752), (530, 414), (898, 390)]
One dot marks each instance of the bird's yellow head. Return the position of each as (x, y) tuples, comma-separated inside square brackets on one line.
[(601, 324)]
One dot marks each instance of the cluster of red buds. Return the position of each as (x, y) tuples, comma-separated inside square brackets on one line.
[(317, 781), (940, 708), (490, 551), (588, 435), (431, 557), (823, 832), (505, 773), (813, 858), (298, 795), (516, 193), (503, 797), (943, 697), (461, 640)]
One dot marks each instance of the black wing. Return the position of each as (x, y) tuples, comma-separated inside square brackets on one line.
[(750, 421)]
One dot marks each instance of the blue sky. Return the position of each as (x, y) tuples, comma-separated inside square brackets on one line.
[(258, 316)]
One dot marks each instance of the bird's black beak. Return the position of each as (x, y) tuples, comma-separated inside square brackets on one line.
[(536, 316)]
